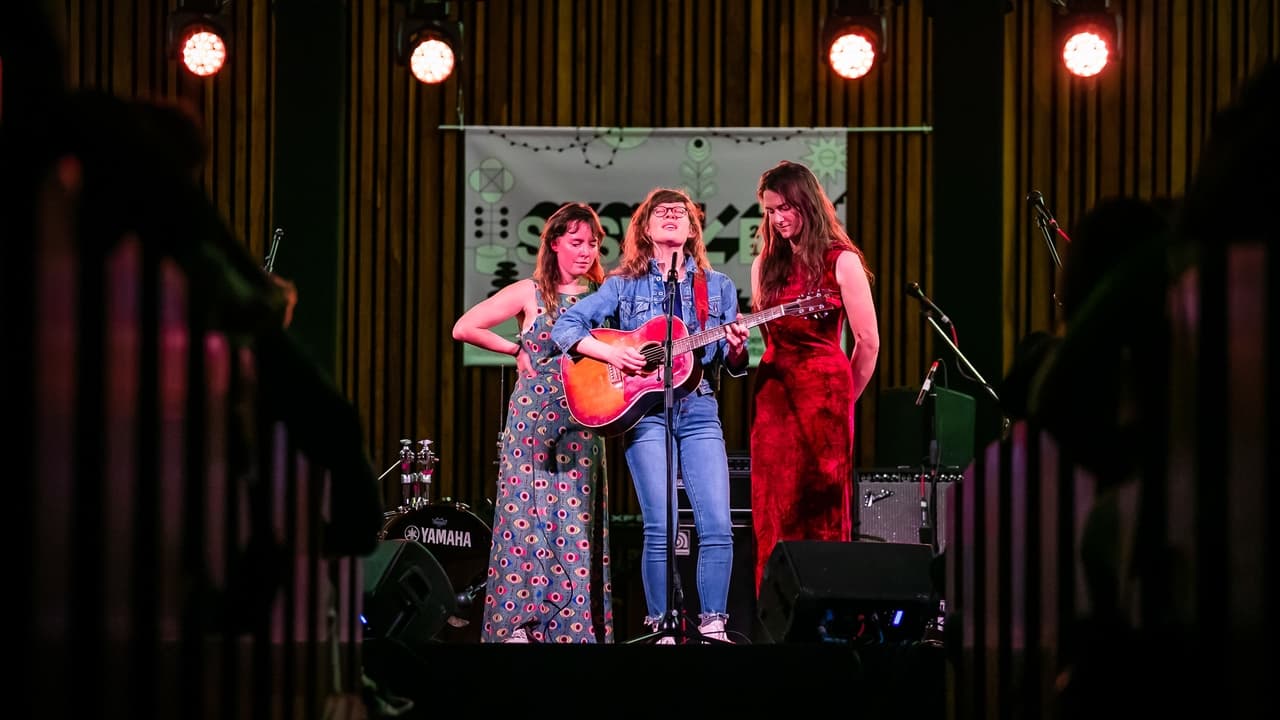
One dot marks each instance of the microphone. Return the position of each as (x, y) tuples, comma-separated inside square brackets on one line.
[(673, 275), (462, 605), (928, 382), (913, 289), (464, 598), (1036, 199)]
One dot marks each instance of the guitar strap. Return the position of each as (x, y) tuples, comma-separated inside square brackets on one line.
[(703, 306), (700, 298)]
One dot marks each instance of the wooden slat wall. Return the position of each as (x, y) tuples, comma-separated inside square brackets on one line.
[(669, 63), (118, 46), (1135, 130)]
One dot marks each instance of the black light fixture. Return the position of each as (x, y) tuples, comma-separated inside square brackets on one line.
[(1087, 36), (199, 36), (854, 37), (427, 41)]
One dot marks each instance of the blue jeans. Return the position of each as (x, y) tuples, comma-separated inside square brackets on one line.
[(699, 447)]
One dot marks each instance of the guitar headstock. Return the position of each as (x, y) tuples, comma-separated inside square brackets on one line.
[(815, 304)]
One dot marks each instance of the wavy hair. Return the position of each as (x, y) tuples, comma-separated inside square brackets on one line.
[(821, 230), (637, 246), (546, 273)]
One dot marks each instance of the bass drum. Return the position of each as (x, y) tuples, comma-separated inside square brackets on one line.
[(459, 541)]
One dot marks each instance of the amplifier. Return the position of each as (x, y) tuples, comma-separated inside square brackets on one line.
[(739, 490), (888, 506)]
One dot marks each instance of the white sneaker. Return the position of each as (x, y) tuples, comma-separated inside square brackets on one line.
[(517, 636), (714, 629)]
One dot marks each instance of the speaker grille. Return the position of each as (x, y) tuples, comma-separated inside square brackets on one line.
[(890, 511)]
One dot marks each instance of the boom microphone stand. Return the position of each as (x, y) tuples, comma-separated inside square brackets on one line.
[(973, 371), (933, 314)]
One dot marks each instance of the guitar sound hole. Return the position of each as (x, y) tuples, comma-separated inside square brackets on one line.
[(653, 356)]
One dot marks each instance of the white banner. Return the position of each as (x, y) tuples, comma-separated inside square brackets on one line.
[(516, 177)]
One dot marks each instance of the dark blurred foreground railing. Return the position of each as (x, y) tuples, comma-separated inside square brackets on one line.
[(175, 561), (1147, 597)]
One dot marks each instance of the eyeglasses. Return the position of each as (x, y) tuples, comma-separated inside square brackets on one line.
[(670, 211)]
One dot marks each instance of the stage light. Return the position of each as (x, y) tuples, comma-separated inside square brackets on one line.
[(426, 41), (853, 37), (198, 36), (1088, 38)]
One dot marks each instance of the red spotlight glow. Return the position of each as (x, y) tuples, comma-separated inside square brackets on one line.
[(852, 54), (203, 52), (1086, 51), (432, 61)]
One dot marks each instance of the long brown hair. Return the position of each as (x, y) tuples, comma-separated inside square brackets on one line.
[(637, 246), (820, 231), (546, 274)]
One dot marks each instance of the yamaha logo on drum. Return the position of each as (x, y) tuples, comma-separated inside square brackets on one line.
[(438, 535)]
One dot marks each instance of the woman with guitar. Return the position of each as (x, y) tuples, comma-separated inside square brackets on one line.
[(806, 385), (548, 577), (665, 235)]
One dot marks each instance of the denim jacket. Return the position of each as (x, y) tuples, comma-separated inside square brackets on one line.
[(627, 303)]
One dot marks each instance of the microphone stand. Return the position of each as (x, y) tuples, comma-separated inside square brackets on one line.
[(932, 465), (672, 623), (929, 511), (1048, 238), (1045, 221), (960, 356)]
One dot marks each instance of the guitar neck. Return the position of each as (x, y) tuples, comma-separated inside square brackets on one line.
[(710, 335)]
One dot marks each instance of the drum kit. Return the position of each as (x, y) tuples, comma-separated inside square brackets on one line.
[(453, 535)]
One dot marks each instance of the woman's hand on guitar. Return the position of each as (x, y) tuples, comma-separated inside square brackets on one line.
[(735, 333), (628, 359)]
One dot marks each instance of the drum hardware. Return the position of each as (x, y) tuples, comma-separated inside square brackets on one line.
[(425, 461), (417, 472), (459, 541)]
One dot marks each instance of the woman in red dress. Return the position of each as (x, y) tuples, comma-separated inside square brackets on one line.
[(806, 385)]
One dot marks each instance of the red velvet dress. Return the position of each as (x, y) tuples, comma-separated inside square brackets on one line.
[(802, 431)]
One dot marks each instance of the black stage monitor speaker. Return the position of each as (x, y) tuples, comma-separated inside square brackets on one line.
[(846, 592), (407, 595), (903, 431)]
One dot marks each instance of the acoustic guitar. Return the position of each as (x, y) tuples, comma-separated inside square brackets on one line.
[(609, 400)]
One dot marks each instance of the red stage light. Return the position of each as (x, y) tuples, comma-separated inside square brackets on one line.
[(204, 52), (432, 59), (427, 41), (853, 54), (1088, 37), (198, 34), (853, 36), (1085, 52)]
